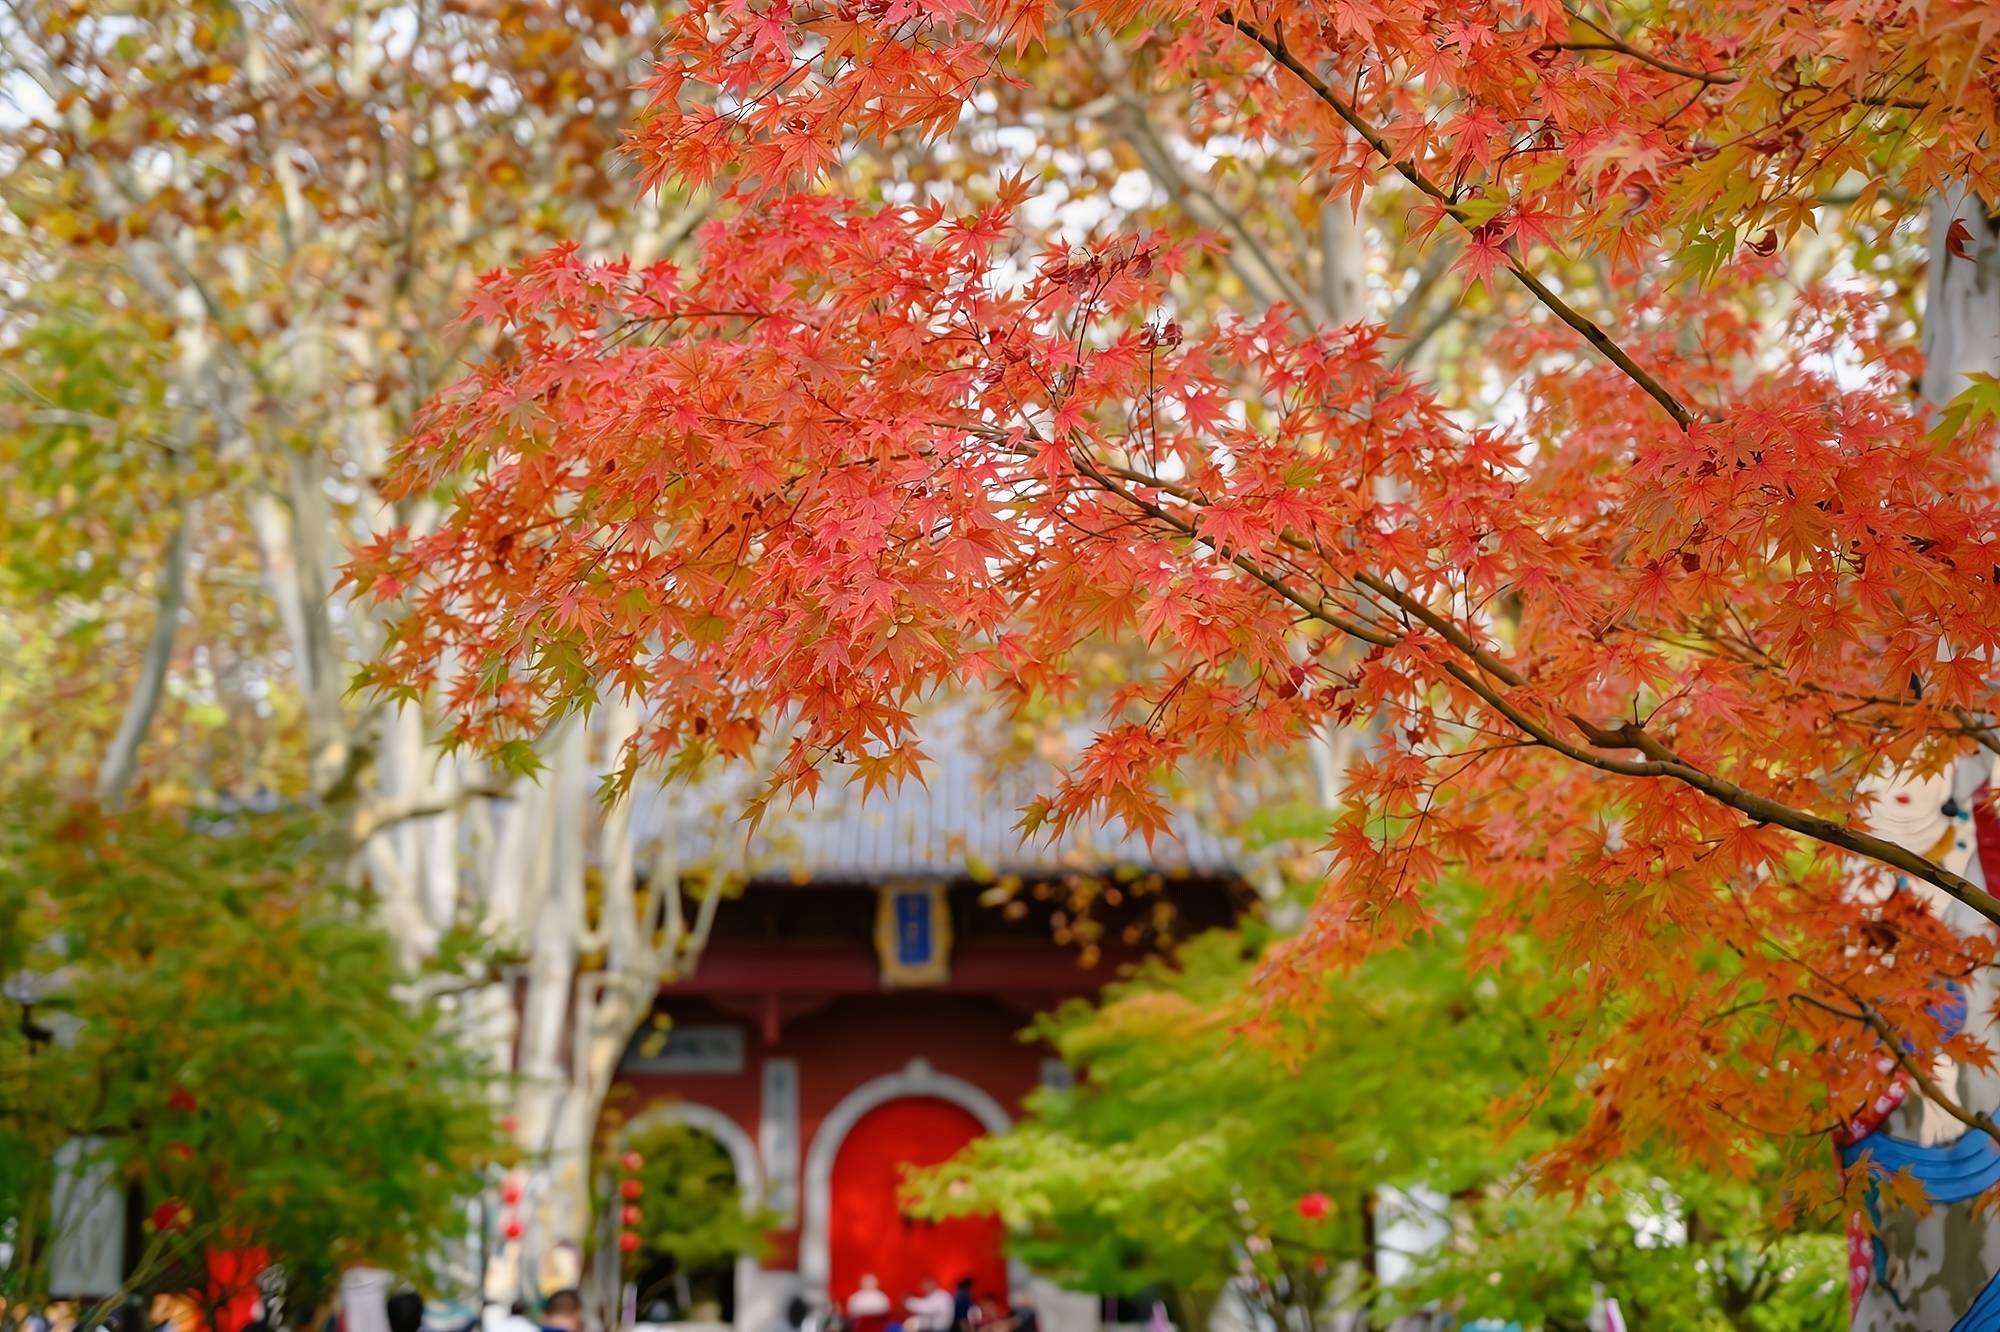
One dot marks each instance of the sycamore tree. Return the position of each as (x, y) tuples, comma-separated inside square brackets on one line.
[(1186, 1157), (235, 240), (1643, 634)]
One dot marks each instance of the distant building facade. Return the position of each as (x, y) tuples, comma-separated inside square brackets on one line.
[(858, 1009)]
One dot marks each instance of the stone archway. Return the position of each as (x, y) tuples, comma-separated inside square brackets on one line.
[(743, 1159)]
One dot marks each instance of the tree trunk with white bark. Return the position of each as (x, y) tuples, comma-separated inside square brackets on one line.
[(305, 422)]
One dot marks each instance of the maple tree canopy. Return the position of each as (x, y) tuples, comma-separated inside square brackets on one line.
[(1634, 650)]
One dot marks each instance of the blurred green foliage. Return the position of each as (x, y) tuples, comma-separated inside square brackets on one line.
[(1202, 1125), (239, 1040), (691, 1209)]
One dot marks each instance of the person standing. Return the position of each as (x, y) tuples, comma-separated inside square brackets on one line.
[(797, 1313), (364, 1298), (405, 1311), (563, 1312), (514, 1318), (1024, 1319), (868, 1307), (930, 1311)]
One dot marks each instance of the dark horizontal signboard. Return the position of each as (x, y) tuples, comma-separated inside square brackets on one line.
[(686, 1050)]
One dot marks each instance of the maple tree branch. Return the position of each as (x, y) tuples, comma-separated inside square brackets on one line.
[(1666, 763), (1977, 1120), (1659, 761), (1614, 42), (1895, 103), (1745, 651), (1403, 166), (1603, 343), (1643, 57), (1441, 626), (1763, 809), (1985, 733), (1312, 606), (1585, 328)]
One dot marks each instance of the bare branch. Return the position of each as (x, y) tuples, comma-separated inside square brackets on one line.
[(1247, 256), (381, 817)]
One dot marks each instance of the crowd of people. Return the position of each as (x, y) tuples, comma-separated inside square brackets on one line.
[(869, 1308)]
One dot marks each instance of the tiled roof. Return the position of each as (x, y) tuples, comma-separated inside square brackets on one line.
[(960, 819)]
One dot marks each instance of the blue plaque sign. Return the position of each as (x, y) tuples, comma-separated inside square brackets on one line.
[(913, 935)]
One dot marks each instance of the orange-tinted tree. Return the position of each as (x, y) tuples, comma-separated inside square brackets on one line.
[(1643, 638)]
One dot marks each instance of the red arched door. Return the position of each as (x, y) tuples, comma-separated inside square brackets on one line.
[(867, 1232)]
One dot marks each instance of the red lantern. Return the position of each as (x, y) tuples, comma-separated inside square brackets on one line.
[(511, 1227), (172, 1215), (510, 1191), (628, 1242), (629, 1189), (632, 1162), (629, 1215), (1314, 1207)]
